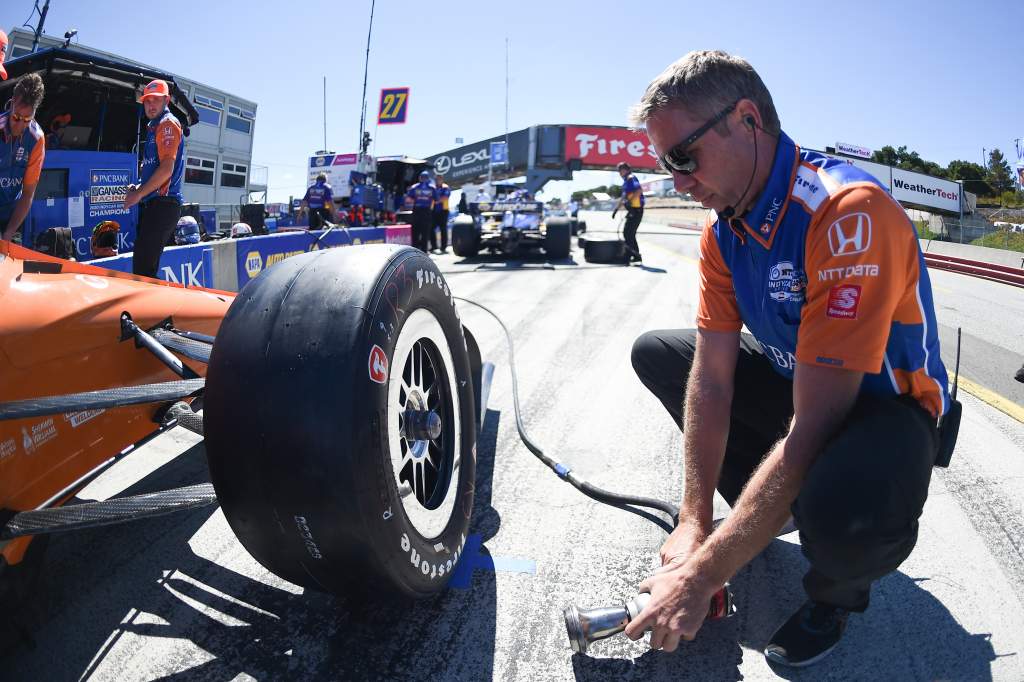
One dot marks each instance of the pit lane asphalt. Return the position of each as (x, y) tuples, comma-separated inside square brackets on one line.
[(177, 597)]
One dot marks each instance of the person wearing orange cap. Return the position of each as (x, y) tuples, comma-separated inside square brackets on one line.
[(21, 153), (3, 55), (161, 172)]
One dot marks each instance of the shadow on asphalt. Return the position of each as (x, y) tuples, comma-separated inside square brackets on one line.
[(905, 629), (243, 625)]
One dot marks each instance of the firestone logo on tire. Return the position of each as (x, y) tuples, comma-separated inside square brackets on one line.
[(378, 365)]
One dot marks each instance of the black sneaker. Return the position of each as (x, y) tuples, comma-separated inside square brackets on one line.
[(808, 636), (1020, 375)]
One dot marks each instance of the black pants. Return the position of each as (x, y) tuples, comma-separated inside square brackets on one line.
[(157, 219), (422, 225), (441, 224), (633, 218), (858, 507), (317, 216)]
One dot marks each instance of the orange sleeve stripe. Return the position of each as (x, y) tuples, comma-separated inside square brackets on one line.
[(35, 164), (717, 309), (168, 136)]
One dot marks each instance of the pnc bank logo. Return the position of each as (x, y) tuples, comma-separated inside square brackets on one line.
[(850, 234)]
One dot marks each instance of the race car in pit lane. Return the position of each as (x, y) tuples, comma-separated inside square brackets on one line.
[(510, 228), (338, 395)]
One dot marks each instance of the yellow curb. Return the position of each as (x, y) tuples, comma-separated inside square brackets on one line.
[(1001, 403)]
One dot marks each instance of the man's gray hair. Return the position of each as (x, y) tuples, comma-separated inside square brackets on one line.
[(704, 83)]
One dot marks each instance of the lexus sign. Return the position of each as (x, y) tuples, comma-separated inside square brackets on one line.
[(606, 146), (469, 162)]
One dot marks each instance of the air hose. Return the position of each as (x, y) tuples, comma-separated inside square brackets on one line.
[(563, 471)]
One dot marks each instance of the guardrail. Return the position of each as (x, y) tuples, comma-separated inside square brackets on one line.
[(990, 271)]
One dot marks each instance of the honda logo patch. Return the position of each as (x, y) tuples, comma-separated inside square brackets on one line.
[(850, 234), (378, 365), (843, 300)]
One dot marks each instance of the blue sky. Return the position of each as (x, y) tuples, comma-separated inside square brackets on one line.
[(935, 76)]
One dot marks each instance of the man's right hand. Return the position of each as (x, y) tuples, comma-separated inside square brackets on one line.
[(682, 543)]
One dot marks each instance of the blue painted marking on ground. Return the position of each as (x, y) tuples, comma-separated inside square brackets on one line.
[(473, 559)]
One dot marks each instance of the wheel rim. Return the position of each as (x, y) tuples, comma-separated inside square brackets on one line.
[(424, 423)]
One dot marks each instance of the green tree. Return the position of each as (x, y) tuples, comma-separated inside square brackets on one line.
[(999, 175), (886, 155), (579, 196), (615, 191), (973, 176), (907, 160)]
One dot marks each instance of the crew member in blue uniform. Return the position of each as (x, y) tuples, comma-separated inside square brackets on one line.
[(319, 199), (162, 169), (440, 217), (830, 413), (21, 153), (422, 195), (633, 199)]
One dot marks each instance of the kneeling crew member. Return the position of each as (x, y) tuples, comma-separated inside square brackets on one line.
[(159, 196)]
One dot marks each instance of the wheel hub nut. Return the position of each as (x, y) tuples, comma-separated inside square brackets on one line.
[(422, 425)]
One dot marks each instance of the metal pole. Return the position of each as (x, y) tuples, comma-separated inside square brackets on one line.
[(366, 70), (39, 26), (506, 93), (325, 114)]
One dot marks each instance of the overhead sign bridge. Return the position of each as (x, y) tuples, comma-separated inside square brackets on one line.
[(554, 152)]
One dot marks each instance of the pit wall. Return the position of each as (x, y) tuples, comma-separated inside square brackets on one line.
[(229, 264)]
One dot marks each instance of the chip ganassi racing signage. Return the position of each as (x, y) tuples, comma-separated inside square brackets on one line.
[(608, 145)]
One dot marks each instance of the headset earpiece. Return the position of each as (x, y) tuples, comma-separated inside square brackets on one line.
[(749, 120)]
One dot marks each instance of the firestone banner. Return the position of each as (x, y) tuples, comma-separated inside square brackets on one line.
[(606, 146)]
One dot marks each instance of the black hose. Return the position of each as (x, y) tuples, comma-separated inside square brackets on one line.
[(564, 472)]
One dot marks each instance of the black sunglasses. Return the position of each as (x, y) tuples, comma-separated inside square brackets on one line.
[(677, 159)]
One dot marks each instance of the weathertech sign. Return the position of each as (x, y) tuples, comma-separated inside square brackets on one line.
[(607, 146)]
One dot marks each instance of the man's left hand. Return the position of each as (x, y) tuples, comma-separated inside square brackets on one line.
[(679, 603)]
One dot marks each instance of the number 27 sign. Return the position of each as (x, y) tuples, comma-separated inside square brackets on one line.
[(394, 105)]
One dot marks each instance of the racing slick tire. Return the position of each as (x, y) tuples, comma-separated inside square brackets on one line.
[(465, 237), (558, 238), (604, 251), (340, 426)]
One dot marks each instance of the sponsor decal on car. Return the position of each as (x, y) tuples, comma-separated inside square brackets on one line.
[(38, 434), (7, 448), (378, 365), (843, 301), (79, 418)]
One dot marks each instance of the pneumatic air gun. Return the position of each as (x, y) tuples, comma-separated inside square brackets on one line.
[(585, 626)]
